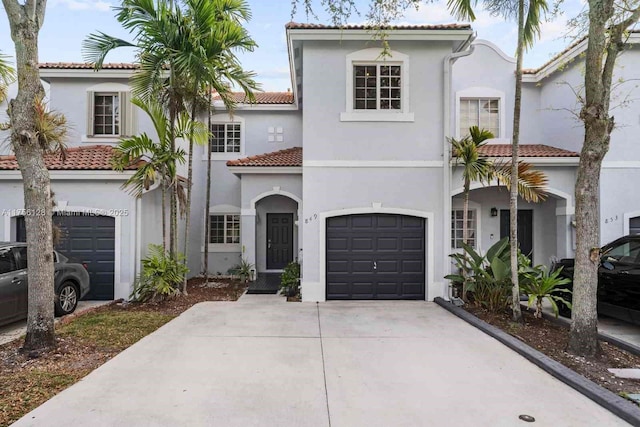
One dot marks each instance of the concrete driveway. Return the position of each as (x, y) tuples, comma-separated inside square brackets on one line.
[(265, 362)]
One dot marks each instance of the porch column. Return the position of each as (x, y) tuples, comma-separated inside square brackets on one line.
[(564, 229), (248, 235)]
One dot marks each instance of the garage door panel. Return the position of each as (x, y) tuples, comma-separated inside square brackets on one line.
[(395, 244), (89, 239)]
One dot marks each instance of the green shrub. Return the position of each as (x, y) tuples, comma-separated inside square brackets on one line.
[(487, 278), (242, 270), (160, 277), (290, 281), (542, 283)]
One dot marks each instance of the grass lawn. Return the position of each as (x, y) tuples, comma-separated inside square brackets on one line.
[(86, 342)]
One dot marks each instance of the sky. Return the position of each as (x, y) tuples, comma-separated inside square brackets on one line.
[(68, 22)]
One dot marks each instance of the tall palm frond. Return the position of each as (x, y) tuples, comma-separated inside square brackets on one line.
[(7, 76), (532, 183)]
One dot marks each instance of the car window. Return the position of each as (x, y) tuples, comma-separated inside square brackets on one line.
[(626, 252), (22, 256), (7, 261)]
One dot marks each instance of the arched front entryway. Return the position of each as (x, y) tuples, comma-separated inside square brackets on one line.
[(544, 228), (271, 239)]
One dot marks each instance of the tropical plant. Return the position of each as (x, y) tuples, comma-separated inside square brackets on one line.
[(161, 274), (244, 270), (545, 284), (290, 280), (7, 76), (156, 160), (475, 167), (215, 33)]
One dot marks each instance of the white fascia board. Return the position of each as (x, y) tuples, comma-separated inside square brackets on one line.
[(350, 34), (74, 175), (219, 105), (570, 55), (536, 161), (47, 73), (292, 170)]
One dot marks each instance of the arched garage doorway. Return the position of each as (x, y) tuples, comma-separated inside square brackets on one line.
[(378, 256), (89, 239)]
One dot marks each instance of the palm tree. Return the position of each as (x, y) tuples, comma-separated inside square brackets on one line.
[(531, 183), (157, 27), (7, 76), (156, 160), (466, 153), (215, 34), (529, 14)]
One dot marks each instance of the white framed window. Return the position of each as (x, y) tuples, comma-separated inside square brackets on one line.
[(226, 137), (110, 113), (483, 107), (377, 89), (457, 221), (224, 229), (481, 112), (106, 114)]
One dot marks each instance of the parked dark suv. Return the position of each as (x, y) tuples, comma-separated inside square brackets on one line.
[(71, 283), (618, 279)]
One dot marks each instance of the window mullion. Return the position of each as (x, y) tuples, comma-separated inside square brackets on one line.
[(378, 82)]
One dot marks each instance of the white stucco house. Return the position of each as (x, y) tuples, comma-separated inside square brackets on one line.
[(349, 172)]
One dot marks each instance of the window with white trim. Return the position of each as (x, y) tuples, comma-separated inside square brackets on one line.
[(481, 112), (224, 229), (377, 87), (106, 114), (457, 221), (110, 113), (226, 138), (634, 225)]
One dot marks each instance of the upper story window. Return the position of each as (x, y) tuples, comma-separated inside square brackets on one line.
[(226, 138), (481, 112), (106, 114), (110, 113), (377, 87)]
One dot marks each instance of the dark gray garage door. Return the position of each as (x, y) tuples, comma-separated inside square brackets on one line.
[(89, 240), (376, 256)]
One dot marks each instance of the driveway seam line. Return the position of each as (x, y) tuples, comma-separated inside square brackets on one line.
[(324, 371)]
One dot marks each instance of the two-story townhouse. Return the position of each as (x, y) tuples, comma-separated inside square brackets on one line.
[(350, 172)]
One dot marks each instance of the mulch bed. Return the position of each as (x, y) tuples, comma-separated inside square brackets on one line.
[(27, 381), (552, 339)]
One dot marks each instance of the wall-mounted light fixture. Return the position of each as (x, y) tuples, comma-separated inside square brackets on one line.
[(494, 211)]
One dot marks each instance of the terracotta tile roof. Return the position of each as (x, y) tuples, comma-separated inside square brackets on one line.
[(525, 150), (303, 26), (86, 66), (262, 98), (291, 157), (90, 157)]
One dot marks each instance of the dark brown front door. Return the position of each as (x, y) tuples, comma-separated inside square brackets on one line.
[(279, 240), (525, 229)]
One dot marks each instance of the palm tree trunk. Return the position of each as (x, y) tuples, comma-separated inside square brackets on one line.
[(513, 200), (187, 221), (173, 195), (164, 216), (207, 222), (465, 212)]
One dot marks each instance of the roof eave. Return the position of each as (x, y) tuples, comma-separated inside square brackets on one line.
[(257, 107), (361, 34), (280, 170)]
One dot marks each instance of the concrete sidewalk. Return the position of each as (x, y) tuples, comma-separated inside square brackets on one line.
[(262, 362)]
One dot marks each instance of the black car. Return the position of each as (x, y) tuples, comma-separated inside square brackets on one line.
[(71, 283), (618, 279)]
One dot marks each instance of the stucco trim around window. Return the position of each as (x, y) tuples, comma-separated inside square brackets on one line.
[(372, 56), (480, 92), (224, 210), (226, 119), (128, 120)]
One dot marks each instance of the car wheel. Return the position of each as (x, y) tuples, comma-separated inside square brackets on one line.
[(66, 299), (564, 311)]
